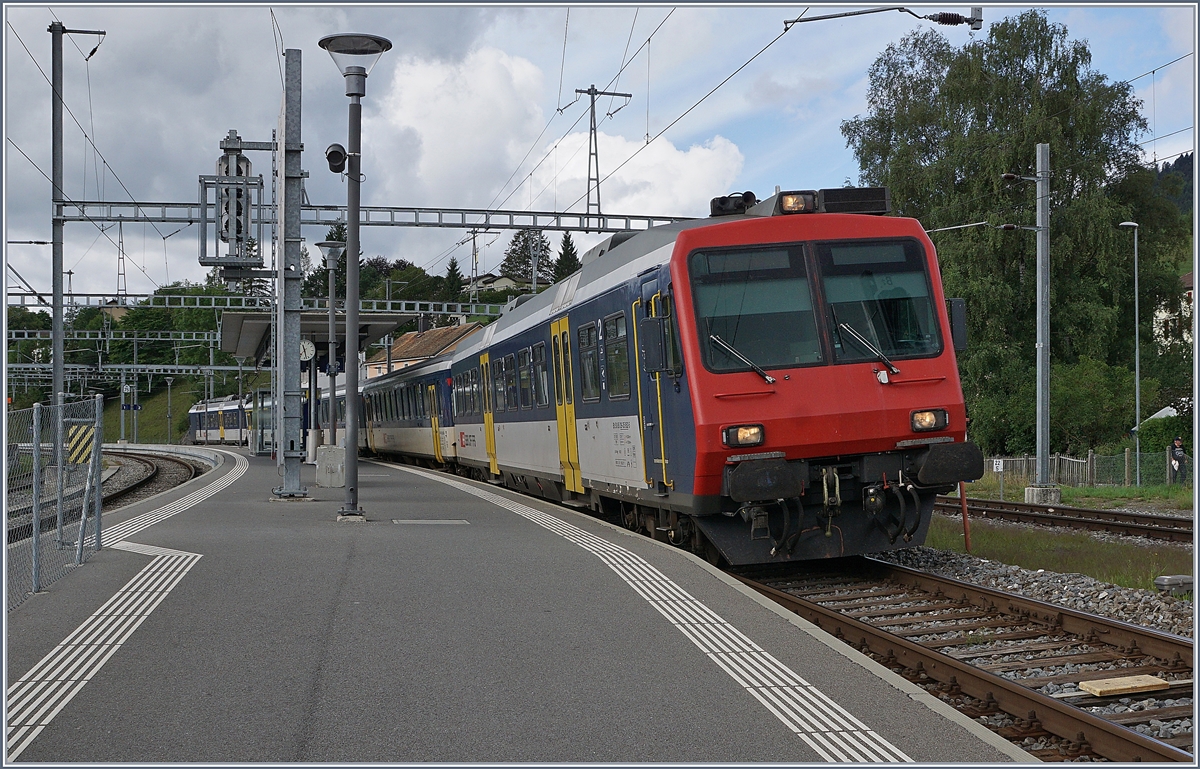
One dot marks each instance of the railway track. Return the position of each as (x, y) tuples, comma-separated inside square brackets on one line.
[(1016, 663), (1165, 527), (139, 473)]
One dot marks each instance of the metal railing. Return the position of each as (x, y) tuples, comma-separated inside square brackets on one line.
[(53, 502), (1094, 470)]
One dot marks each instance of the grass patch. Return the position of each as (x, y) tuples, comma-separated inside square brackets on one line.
[(1064, 552), (1172, 496)]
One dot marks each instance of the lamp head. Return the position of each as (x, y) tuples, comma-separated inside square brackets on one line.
[(355, 54), (1128, 224), (331, 250)]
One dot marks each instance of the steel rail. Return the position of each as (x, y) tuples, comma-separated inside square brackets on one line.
[(1103, 737), (1167, 527)]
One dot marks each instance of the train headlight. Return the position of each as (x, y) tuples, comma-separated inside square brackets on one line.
[(743, 435), (932, 419), (797, 202)]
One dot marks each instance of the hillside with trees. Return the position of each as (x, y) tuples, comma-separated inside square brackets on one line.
[(944, 123)]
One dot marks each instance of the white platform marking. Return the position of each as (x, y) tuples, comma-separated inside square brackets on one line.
[(38, 696), (825, 726)]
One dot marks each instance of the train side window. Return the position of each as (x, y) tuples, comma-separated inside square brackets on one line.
[(394, 398), (510, 381), (499, 403), (558, 393), (616, 356), (525, 378), (567, 384), (589, 363), (541, 378)]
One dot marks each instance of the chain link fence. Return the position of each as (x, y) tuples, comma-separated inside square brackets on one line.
[(53, 501), (1094, 470)]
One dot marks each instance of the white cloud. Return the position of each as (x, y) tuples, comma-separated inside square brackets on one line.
[(452, 128), (661, 180)]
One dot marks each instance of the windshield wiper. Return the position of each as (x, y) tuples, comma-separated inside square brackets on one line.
[(732, 351), (870, 347)]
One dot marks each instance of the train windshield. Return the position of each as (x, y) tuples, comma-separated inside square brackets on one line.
[(754, 306), (879, 291)]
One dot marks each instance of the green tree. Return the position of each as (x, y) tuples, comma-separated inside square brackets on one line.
[(452, 283), (568, 260), (518, 257), (943, 125)]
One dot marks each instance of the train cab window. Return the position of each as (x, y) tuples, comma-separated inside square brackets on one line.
[(589, 363), (558, 393), (674, 356), (616, 356), (525, 378), (510, 381), (754, 304), (541, 377), (878, 290)]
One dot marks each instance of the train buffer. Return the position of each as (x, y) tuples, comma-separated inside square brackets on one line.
[(230, 626)]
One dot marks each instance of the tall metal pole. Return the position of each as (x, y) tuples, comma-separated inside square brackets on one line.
[(1043, 315), (57, 30), (1137, 363), (331, 369), (123, 386), (288, 282), (356, 87), (170, 424), (56, 222)]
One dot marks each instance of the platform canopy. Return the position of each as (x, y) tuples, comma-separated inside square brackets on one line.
[(248, 334)]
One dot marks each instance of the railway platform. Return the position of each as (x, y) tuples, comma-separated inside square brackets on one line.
[(459, 623)]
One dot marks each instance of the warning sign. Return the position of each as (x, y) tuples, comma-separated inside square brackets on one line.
[(79, 443)]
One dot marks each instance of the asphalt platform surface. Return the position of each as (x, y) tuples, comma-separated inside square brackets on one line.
[(499, 634)]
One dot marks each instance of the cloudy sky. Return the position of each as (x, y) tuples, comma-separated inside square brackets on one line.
[(476, 107)]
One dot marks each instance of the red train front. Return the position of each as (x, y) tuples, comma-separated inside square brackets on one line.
[(820, 377)]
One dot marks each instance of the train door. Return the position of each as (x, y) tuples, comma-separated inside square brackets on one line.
[(434, 421), (654, 432), (568, 441), (489, 422), (221, 425)]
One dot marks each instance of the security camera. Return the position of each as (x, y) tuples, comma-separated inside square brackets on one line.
[(335, 155)]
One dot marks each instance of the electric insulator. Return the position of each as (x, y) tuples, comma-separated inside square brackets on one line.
[(949, 19)]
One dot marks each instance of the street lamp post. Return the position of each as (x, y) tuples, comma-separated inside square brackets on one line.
[(1137, 359), (354, 55)]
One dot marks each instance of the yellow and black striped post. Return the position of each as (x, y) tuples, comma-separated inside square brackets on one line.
[(79, 443)]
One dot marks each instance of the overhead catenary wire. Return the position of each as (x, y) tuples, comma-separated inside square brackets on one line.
[(567, 133), (689, 109), (277, 37), (65, 199), (77, 123)]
